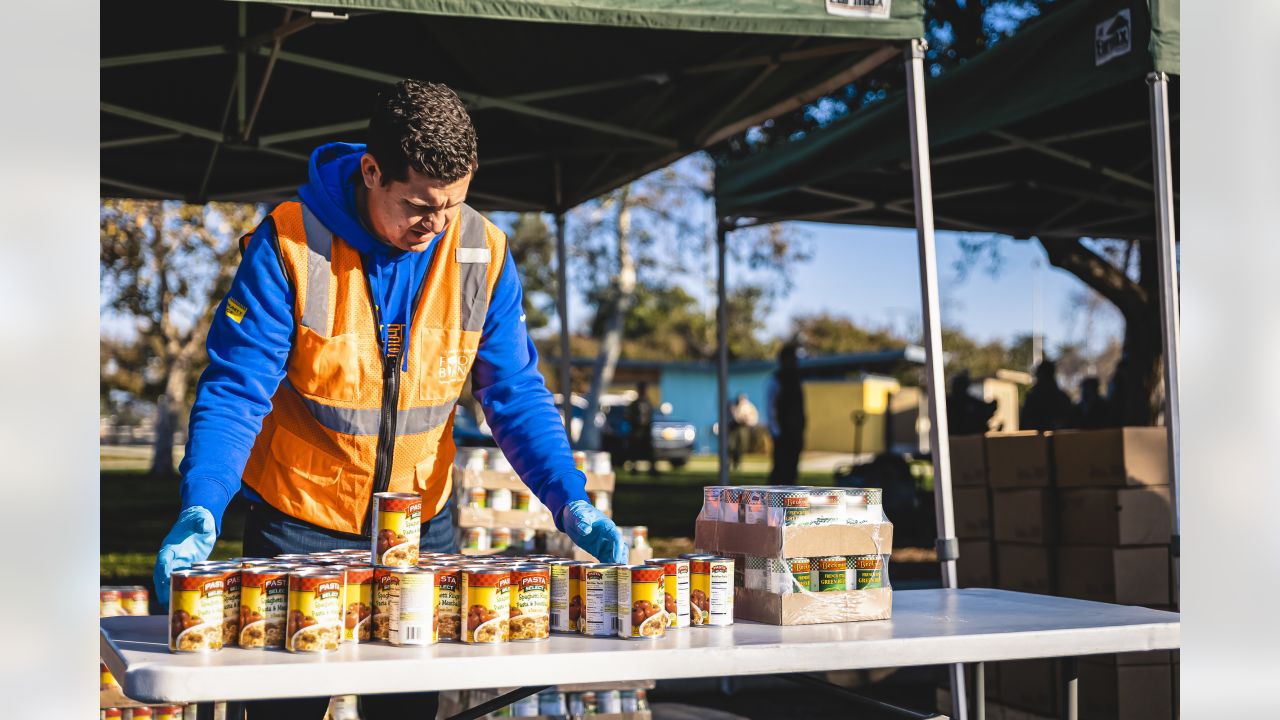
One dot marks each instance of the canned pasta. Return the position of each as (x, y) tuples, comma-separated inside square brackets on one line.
[(530, 602), (486, 593), (109, 603), (675, 600), (397, 528), (195, 610), (576, 594), (641, 603), (358, 602), (135, 599), (711, 590), (448, 592), (384, 589), (314, 622), (231, 605), (413, 607), (559, 596), (264, 602), (600, 599)]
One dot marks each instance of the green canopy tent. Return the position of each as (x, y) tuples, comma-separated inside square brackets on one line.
[(217, 100)]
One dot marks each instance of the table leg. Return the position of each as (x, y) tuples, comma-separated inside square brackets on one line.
[(497, 703), (979, 692), (1070, 683)]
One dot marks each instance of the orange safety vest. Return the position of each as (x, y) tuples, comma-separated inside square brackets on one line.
[(345, 423)]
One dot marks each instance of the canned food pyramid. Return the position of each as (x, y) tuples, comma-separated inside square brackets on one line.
[(264, 601), (315, 615), (397, 529), (195, 610), (486, 593), (530, 602), (641, 591)]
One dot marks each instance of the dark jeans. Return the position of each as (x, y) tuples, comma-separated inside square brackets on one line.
[(269, 532)]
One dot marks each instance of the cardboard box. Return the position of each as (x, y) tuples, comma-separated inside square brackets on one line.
[(812, 608), (489, 518), (972, 512), (1125, 692), (1018, 460), (976, 566), (1031, 685), (968, 461), (1118, 457), (498, 479), (1023, 516), (815, 541), (1129, 576), (1115, 516), (1025, 568)]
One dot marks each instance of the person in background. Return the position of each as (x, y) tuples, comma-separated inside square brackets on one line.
[(1092, 411), (743, 418), (785, 403), (966, 414), (640, 419), (1047, 407)]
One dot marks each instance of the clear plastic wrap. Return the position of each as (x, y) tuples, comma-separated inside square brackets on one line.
[(804, 555)]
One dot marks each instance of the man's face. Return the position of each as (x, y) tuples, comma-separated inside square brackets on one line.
[(406, 215)]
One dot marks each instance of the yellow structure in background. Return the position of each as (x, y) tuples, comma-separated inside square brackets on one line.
[(831, 408)]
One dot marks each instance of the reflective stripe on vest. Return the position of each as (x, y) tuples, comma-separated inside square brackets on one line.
[(319, 254), (349, 421), (473, 255)]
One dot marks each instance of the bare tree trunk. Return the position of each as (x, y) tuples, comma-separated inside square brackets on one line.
[(168, 410), (611, 344)]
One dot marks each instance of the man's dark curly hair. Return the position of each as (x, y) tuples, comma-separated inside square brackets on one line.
[(423, 126)]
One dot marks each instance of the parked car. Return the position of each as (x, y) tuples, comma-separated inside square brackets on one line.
[(467, 431), (672, 438)]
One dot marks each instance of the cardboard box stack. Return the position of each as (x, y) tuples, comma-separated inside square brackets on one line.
[(495, 511), (1076, 513), (843, 557)]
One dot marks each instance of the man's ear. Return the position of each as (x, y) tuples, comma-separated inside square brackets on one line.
[(369, 171)]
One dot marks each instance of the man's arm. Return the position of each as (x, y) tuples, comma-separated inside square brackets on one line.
[(517, 404), (248, 346)]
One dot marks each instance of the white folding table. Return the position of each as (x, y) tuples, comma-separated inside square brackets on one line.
[(929, 627)]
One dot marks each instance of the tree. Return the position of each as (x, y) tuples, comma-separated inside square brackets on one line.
[(533, 247), (166, 265), (827, 334)]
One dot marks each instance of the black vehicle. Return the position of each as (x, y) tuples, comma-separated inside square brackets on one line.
[(672, 438)]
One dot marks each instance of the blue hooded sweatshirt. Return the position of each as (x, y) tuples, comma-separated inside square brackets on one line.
[(248, 352)]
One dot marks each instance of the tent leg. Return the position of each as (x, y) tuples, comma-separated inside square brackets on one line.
[(939, 444), (1167, 257), (722, 354), (562, 309)]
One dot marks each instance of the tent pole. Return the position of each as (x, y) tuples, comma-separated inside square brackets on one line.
[(722, 352), (1167, 254), (939, 443), (562, 309)]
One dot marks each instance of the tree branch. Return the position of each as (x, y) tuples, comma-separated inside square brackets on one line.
[(1093, 270)]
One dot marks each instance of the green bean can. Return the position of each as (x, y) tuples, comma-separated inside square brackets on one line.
[(867, 571), (833, 573)]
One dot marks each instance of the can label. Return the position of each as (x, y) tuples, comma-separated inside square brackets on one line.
[(729, 504), (264, 603), (530, 603), (868, 571), (134, 601), (448, 604), (699, 590), (110, 604), (855, 506), (711, 502), (833, 573), (755, 573), (384, 590), (641, 602), (487, 595), (195, 612), (315, 614), (788, 508), (397, 529), (575, 597), (676, 592), (600, 606), (720, 595), (559, 600), (826, 507), (231, 610), (753, 507), (356, 625), (413, 609)]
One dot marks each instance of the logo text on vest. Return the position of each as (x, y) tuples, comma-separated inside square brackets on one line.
[(235, 310), (454, 367)]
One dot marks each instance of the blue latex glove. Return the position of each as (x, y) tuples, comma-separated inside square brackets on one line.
[(190, 541), (590, 530)]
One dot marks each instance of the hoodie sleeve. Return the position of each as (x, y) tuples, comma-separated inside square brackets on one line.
[(248, 346), (517, 404)]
